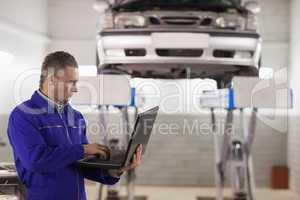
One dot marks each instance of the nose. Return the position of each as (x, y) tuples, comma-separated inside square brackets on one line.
[(74, 88)]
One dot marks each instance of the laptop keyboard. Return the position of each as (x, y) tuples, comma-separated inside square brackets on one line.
[(115, 157)]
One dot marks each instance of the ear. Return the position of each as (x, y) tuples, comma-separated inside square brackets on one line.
[(51, 79)]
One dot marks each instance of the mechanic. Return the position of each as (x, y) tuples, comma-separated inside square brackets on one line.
[(48, 136)]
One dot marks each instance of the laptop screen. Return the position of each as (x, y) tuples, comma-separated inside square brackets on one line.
[(141, 132)]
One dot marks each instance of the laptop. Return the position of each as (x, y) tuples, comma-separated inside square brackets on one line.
[(140, 135)]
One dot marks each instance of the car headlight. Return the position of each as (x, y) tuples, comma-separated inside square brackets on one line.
[(107, 21), (230, 23), (252, 23), (130, 21)]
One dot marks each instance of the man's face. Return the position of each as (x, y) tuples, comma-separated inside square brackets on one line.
[(64, 84)]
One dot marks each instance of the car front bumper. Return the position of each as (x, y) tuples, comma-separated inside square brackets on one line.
[(112, 45)]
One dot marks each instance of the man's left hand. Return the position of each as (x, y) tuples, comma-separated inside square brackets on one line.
[(136, 161)]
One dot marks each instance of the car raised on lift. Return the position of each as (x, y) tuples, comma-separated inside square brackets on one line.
[(181, 38)]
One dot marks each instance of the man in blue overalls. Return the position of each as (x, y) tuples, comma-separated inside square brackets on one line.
[(48, 136)]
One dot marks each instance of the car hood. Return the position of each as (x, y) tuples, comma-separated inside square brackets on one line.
[(209, 5)]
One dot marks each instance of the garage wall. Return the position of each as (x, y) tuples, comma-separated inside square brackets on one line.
[(34, 11), (294, 118), (76, 29), (23, 28), (274, 27), (187, 157), (23, 33), (181, 152)]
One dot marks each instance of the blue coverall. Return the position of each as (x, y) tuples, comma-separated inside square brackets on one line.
[(46, 144)]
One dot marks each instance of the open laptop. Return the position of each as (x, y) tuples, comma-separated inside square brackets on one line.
[(140, 135)]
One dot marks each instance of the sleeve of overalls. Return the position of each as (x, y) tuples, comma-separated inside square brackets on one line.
[(98, 175), (30, 147)]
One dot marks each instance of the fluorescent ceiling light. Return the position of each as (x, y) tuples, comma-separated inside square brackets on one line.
[(6, 58), (87, 70)]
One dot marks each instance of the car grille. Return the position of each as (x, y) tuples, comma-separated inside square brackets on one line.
[(179, 52), (181, 21)]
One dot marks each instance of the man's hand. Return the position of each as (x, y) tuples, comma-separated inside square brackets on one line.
[(136, 161), (97, 149)]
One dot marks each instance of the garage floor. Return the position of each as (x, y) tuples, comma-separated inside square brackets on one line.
[(182, 193)]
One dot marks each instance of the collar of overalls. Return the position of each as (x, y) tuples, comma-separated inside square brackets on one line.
[(43, 101)]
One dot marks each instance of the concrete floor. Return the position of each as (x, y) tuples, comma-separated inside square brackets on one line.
[(187, 193)]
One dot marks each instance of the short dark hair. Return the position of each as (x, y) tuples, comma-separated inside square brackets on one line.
[(54, 62)]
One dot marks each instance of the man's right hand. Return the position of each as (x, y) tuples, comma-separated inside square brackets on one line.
[(97, 149)]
